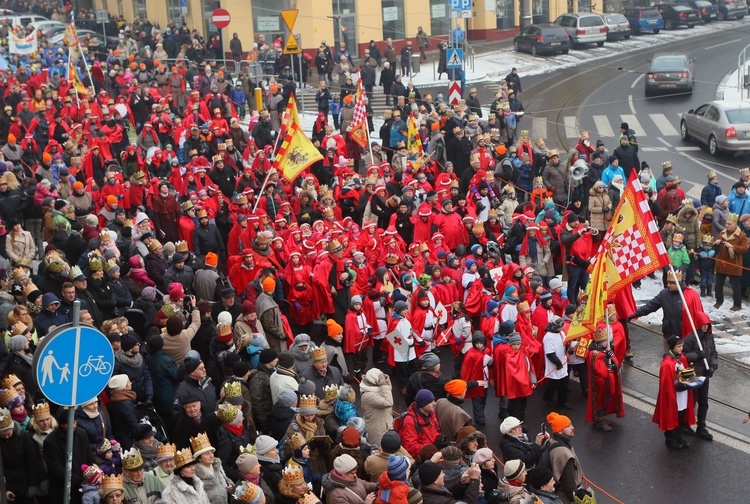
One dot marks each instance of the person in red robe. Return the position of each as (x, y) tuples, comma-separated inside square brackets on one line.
[(619, 340), (532, 346), (513, 376), (474, 368), (357, 336), (244, 272), (542, 314), (605, 386), (298, 276), (675, 408), (424, 322)]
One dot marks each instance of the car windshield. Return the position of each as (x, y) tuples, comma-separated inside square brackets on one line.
[(668, 64), (591, 21), (649, 13), (702, 4), (616, 18), (737, 116)]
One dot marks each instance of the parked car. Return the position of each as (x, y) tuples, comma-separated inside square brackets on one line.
[(706, 11), (43, 26), (583, 28), (542, 38), (731, 9), (670, 73), (643, 19), (675, 16), (618, 26), (104, 43), (721, 125), (22, 20)]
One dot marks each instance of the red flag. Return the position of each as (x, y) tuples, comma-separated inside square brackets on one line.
[(359, 121)]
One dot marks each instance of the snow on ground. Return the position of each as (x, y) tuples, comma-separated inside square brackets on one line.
[(497, 64)]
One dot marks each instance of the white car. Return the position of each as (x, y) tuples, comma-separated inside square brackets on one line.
[(43, 26)]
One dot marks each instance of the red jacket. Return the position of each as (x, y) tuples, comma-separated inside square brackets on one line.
[(417, 430)]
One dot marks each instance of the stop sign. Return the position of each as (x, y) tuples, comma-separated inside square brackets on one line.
[(221, 18)]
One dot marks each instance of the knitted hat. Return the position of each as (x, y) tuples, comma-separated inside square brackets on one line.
[(397, 467), (557, 422), (414, 496), (429, 361), (118, 382), (148, 293), (91, 473), (429, 472), (456, 387), (545, 295), (264, 444), (286, 398), (268, 284), (350, 437), (513, 468), (128, 342), (211, 260), (423, 398), (246, 462), (672, 341), (334, 328), (538, 477), (482, 455), (555, 283), (191, 364), (515, 338), (344, 464), (391, 442), (286, 360), (267, 355)]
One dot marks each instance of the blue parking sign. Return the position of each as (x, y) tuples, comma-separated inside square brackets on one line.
[(463, 5), (73, 364)]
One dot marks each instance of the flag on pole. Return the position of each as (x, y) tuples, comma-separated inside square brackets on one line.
[(71, 37), (296, 153), (359, 121), (413, 140), (75, 81), (593, 304), (22, 45), (633, 244), (291, 115)]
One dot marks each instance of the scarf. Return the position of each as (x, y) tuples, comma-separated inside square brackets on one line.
[(308, 429), (252, 479), (90, 414), (134, 361), (234, 429), (123, 395), (19, 417)]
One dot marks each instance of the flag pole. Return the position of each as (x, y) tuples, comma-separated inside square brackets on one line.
[(86, 66), (690, 315), (70, 76)]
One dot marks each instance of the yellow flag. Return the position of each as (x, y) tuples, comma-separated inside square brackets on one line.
[(290, 114), (75, 81), (296, 153), (591, 310), (413, 140), (71, 37)]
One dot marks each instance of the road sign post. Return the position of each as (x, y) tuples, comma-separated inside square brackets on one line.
[(72, 365)]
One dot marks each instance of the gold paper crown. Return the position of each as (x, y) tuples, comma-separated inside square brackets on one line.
[(733, 217), (104, 235), (165, 450), (745, 171), (95, 264), (183, 458), (169, 310), (23, 261), (192, 152), (29, 289), (105, 447), (7, 395), (140, 175), (201, 213), (687, 201), (247, 492), (538, 180), (318, 353), (308, 498), (132, 459), (711, 175), (666, 164), (181, 246), (674, 277), (200, 443), (707, 238), (187, 205), (293, 474), (308, 401), (227, 412), (40, 411), (678, 237), (295, 441), (11, 381), (522, 306), (331, 392), (224, 329), (218, 158), (232, 389), (5, 420), (20, 273), (672, 218), (249, 449), (111, 483), (524, 133), (110, 265)]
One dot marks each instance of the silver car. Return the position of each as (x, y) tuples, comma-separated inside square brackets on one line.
[(583, 28), (721, 125)]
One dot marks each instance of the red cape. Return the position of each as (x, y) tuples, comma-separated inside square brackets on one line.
[(605, 387), (665, 413)]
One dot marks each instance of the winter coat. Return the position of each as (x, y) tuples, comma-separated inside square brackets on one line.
[(729, 261), (190, 387), (709, 193), (20, 246), (543, 265), (671, 306), (282, 379), (451, 416), (179, 492), (138, 374), (514, 448), (214, 481), (719, 223), (417, 431), (163, 372), (555, 179), (228, 449), (343, 491), (94, 428), (597, 203), (687, 219), (125, 421), (22, 462), (432, 495), (178, 346), (55, 457), (260, 388), (377, 405), (377, 463)]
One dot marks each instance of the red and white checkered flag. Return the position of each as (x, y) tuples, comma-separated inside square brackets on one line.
[(359, 121)]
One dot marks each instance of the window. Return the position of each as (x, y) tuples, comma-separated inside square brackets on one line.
[(177, 10), (540, 11), (266, 19), (588, 21), (584, 5), (736, 116), (701, 110), (712, 114), (440, 22), (139, 8), (505, 13), (393, 19)]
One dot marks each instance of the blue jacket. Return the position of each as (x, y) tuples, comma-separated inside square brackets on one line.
[(397, 127), (238, 96), (709, 193), (609, 174), (738, 204)]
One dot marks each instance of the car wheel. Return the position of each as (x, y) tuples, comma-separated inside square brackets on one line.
[(668, 25), (515, 46), (684, 135), (713, 146), (600, 44), (656, 31), (722, 16), (740, 17), (691, 26), (627, 37), (565, 51), (648, 93), (533, 50)]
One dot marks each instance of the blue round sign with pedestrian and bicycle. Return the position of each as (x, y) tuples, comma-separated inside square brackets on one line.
[(73, 364)]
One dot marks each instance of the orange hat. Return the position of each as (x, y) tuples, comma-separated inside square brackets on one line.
[(558, 422), (348, 98), (117, 52), (131, 57), (133, 66), (456, 387), (46, 158), (11, 138), (500, 149), (212, 259), (268, 284), (78, 185), (111, 200), (156, 63), (333, 327), (435, 126)]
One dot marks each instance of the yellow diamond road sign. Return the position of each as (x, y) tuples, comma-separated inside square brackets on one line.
[(289, 16), (291, 46)]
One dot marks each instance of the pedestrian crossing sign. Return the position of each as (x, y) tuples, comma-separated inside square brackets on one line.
[(454, 58)]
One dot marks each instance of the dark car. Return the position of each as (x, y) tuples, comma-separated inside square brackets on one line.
[(705, 10), (675, 16), (731, 9), (542, 38), (670, 73), (643, 19)]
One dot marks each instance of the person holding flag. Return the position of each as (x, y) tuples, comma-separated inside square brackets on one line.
[(605, 385)]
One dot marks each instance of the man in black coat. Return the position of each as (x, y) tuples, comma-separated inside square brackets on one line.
[(262, 132), (206, 237), (627, 154), (670, 302), (458, 149), (55, 456), (387, 76), (368, 75), (22, 462), (193, 420), (695, 357), (515, 445)]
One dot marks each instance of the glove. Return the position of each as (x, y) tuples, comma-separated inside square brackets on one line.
[(609, 353), (709, 372), (630, 317), (558, 366), (348, 380), (606, 209), (582, 493), (700, 354)]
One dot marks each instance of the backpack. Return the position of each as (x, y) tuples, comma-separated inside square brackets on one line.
[(544, 458), (398, 423)]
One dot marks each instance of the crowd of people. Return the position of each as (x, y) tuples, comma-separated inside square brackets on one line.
[(261, 327)]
